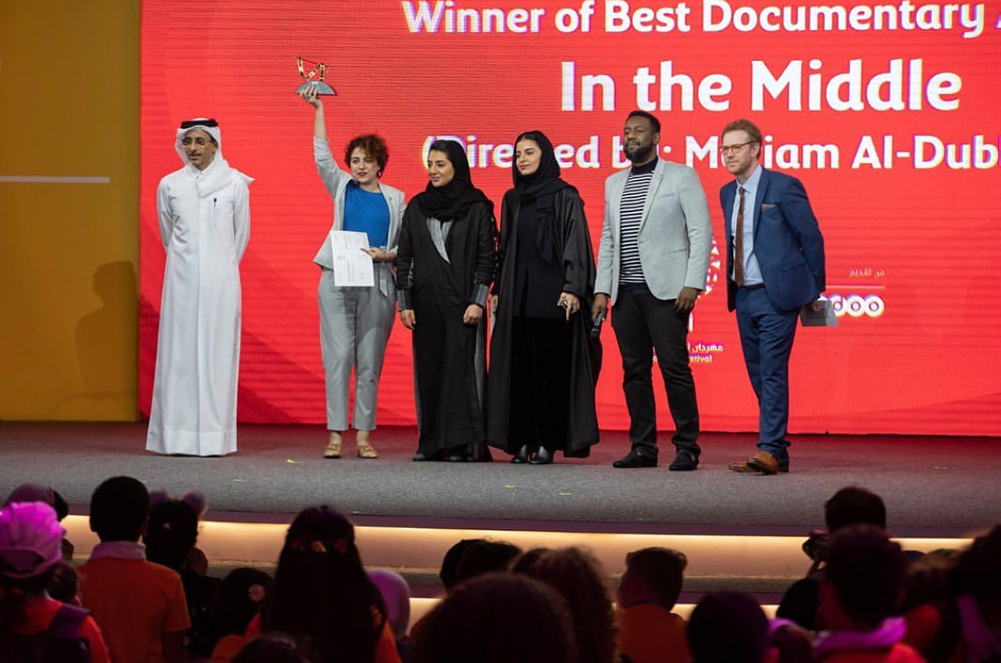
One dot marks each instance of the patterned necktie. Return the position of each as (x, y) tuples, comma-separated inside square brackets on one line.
[(738, 240)]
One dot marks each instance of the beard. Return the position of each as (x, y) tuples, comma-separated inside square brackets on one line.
[(639, 153)]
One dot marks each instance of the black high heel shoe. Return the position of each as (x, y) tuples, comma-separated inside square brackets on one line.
[(522, 456), (542, 457)]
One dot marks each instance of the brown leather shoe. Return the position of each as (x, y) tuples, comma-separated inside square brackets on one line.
[(760, 463)]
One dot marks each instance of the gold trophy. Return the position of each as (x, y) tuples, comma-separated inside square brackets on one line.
[(308, 81)]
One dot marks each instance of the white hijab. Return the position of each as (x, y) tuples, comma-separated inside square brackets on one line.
[(217, 174)]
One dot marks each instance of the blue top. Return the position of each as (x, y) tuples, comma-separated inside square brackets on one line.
[(367, 212)]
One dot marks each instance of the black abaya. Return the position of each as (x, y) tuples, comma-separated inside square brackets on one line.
[(449, 355), (568, 422)]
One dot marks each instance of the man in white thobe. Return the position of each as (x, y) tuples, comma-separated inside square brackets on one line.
[(204, 214)]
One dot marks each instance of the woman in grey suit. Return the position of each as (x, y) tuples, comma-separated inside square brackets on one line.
[(355, 322)]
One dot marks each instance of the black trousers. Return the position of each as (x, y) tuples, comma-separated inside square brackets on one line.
[(644, 324), (540, 383)]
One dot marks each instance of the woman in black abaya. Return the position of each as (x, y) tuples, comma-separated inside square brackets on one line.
[(543, 365), (445, 264)]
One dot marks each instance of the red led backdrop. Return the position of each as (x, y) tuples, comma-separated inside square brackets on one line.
[(887, 113)]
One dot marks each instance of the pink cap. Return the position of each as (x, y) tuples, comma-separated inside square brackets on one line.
[(30, 539)]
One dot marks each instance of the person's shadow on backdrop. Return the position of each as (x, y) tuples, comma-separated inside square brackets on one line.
[(105, 351)]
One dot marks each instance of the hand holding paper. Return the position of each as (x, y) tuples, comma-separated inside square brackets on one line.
[(352, 264)]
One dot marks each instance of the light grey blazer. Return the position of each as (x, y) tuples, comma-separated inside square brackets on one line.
[(336, 181), (675, 237)]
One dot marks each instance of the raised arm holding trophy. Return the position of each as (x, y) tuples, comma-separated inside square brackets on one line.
[(355, 322)]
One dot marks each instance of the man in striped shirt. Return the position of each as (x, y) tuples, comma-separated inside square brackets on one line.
[(652, 265)]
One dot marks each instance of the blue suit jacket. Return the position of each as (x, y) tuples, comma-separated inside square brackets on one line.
[(787, 241)]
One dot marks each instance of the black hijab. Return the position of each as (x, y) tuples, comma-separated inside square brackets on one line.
[(538, 190), (452, 201), (545, 181)]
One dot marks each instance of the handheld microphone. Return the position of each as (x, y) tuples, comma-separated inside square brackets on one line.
[(596, 327)]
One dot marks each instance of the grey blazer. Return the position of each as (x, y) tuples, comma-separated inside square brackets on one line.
[(336, 181), (675, 238)]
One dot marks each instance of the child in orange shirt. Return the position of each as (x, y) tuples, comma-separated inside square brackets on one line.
[(139, 605), (648, 631)]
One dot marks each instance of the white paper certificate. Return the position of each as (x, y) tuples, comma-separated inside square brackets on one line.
[(352, 266)]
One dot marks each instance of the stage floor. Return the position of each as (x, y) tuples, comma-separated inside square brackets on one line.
[(933, 487)]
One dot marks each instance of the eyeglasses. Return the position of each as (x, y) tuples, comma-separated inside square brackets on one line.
[(727, 149)]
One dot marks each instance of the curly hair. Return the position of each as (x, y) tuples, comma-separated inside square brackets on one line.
[(372, 145), (579, 578)]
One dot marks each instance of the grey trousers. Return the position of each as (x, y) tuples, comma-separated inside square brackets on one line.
[(355, 324)]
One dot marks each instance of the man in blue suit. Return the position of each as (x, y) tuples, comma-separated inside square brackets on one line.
[(775, 265)]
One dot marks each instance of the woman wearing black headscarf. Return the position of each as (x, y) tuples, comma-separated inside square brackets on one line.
[(445, 264), (543, 364)]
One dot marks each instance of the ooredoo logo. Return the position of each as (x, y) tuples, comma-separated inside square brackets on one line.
[(856, 306)]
